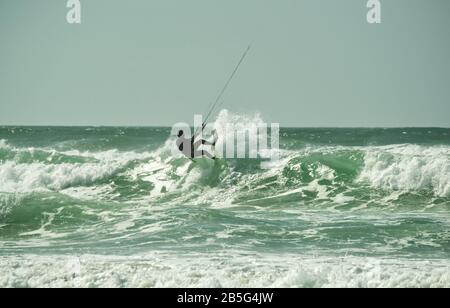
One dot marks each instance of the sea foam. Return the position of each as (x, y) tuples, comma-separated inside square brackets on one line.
[(38, 176), (207, 271), (408, 167)]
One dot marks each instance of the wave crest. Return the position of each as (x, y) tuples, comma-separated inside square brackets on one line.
[(38, 176), (408, 167)]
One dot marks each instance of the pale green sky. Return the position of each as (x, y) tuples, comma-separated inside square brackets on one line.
[(157, 62)]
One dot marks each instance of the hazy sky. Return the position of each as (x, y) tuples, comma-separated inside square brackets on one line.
[(157, 62)]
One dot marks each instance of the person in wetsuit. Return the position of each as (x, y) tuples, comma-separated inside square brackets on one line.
[(191, 148)]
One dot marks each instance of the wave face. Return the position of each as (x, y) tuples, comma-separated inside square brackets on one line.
[(378, 200)]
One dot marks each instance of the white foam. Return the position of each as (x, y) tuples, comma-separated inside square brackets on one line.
[(98, 192), (220, 270), (408, 167), (8, 202), (227, 123), (4, 144), (342, 199), (39, 177), (34, 177)]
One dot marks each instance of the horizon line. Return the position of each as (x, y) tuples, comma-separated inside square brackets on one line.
[(166, 126)]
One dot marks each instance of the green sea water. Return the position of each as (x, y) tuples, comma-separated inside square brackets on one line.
[(111, 207)]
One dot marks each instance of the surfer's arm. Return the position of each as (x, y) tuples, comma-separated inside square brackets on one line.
[(199, 131)]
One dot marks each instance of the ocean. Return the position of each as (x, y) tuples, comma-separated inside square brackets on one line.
[(111, 207)]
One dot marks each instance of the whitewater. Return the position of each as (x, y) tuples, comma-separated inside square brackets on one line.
[(111, 207)]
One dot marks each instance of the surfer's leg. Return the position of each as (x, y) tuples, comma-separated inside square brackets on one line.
[(202, 153)]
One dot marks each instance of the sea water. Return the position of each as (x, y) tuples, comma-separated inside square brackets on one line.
[(111, 207)]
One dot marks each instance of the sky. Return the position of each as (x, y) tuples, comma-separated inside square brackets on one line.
[(313, 63)]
